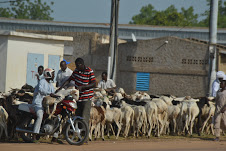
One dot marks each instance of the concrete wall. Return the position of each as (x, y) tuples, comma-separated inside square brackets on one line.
[(178, 67), (18, 48), (3, 60)]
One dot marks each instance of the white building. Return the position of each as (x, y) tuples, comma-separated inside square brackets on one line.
[(22, 53)]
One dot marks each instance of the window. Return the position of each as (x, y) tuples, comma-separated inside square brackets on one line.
[(142, 83)]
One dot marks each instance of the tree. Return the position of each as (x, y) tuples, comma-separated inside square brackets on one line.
[(145, 16), (26, 9), (221, 22), (169, 17)]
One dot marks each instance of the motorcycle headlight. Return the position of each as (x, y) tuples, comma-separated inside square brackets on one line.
[(73, 105)]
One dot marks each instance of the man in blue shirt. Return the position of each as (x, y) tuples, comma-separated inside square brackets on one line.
[(43, 89)]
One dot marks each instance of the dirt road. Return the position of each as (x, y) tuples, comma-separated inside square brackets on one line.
[(123, 145)]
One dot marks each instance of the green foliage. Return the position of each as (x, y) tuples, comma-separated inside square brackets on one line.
[(172, 17), (169, 17), (221, 22), (26, 9)]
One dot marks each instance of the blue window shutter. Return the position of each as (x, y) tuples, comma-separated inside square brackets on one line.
[(33, 62), (142, 81)]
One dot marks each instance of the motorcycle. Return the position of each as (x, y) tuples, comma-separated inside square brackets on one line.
[(75, 130)]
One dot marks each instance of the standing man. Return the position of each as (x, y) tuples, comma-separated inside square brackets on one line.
[(63, 75), (85, 81), (216, 83), (220, 111), (40, 75), (107, 84)]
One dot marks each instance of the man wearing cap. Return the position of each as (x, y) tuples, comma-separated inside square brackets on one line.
[(216, 84), (63, 75), (220, 111)]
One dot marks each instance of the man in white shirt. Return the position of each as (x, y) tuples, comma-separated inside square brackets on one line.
[(107, 84), (216, 84), (63, 75)]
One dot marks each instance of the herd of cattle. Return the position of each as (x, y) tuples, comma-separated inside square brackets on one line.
[(136, 115)]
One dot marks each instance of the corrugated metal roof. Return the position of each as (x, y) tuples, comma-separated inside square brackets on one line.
[(125, 31)]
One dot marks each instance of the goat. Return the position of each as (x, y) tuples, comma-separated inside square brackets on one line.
[(127, 117), (113, 115), (3, 122), (97, 117), (152, 120), (162, 112), (140, 120), (48, 100)]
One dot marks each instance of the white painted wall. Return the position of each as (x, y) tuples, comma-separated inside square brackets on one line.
[(3, 60), (15, 46), (18, 48)]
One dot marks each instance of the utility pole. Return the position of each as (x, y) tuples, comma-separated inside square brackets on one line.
[(113, 48), (212, 43)]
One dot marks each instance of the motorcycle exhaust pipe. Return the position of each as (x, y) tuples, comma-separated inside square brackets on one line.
[(27, 131)]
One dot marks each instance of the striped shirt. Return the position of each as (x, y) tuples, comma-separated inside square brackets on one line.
[(82, 78)]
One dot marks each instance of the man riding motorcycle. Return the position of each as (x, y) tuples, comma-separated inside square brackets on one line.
[(63, 120), (43, 89)]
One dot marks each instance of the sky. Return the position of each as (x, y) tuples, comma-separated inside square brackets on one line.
[(98, 11)]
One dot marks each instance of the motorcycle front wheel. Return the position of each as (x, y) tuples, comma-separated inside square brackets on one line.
[(80, 135)]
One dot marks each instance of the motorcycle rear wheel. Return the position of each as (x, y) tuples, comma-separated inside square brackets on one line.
[(78, 137), (27, 137)]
